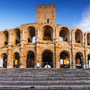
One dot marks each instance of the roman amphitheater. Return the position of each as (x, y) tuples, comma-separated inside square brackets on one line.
[(41, 44)]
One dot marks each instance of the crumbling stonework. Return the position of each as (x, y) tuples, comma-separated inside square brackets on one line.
[(55, 45)]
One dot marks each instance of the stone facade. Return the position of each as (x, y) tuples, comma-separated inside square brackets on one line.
[(55, 45)]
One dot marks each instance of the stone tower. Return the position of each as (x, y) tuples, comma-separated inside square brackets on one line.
[(46, 14)]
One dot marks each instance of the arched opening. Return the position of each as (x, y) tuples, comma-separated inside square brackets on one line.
[(79, 60), (64, 59), (88, 39), (31, 35), (16, 60), (89, 61), (47, 33), (4, 60), (30, 59), (47, 59), (64, 34), (5, 38), (78, 36), (17, 36)]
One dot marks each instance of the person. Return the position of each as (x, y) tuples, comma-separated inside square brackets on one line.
[(47, 66)]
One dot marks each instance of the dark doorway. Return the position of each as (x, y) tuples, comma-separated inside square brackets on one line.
[(16, 60), (89, 61), (4, 60), (47, 33), (79, 63), (47, 59), (31, 35), (64, 60), (17, 36), (78, 36), (30, 59), (64, 34), (5, 38)]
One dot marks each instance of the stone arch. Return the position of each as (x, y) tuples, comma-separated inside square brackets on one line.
[(41, 28), (16, 60), (4, 58), (16, 50), (64, 33), (64, 59), (30, 59), (79, 60), (30, 37), (47, 58), (47, 33), (5, 38), (16, 36), (79, 35), (88, 38)]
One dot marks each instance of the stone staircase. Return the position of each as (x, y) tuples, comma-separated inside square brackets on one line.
[(44, 79)]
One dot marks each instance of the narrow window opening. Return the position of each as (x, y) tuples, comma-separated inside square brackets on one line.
[(47, 20)]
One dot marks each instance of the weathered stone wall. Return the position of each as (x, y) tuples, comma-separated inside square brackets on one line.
[(55, 45), (46, 12)]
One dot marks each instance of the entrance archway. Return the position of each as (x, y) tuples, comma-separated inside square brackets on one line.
[(47, 33), (78, 36), (5, 38), (79, 61), (17, 36), (64, 59), (31, 35), (88, 39), (4, 60), (47, 59), (64, 34), (89, 61), (16, 60), (30, 60)]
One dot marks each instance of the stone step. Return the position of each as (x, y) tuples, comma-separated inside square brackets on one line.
[(59, 82), (44, 78), (45, 87), (82, 75), (44, 71)]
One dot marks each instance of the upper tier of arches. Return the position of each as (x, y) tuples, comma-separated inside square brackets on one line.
[(44, 33)]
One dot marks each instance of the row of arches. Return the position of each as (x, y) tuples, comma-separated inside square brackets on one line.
[(17, 37), (5, 37), (47, 59), (16, 60), (47, 35)]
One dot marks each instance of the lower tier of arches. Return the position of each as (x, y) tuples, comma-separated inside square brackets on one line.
[(47, 60)]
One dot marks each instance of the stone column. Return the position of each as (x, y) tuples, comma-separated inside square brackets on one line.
[(22, 61), (70, 59), (86, 61), (57, 58), (69, 38), (36, 34), (54, 60), (9, 53), (10, 59), (35, 54), (83, 59), (38, 56), (83, 40), (74, 60), (85, 49)]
